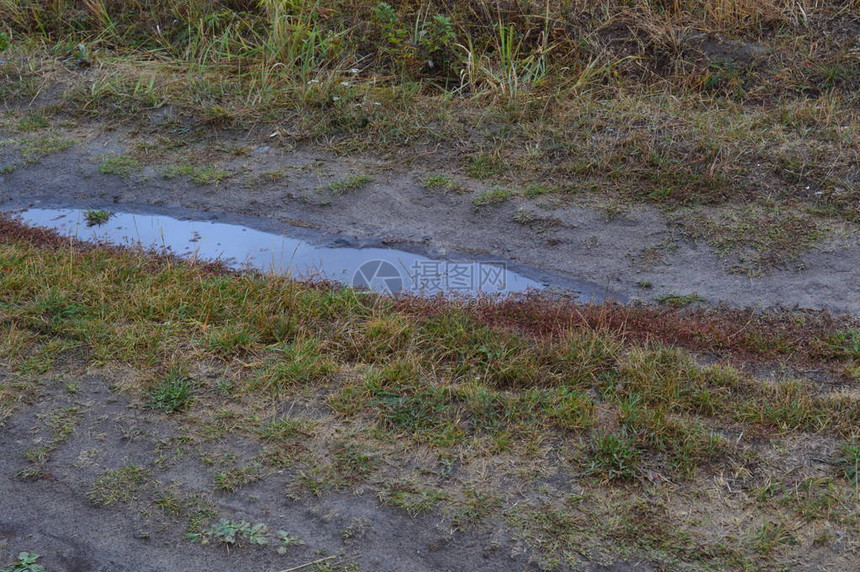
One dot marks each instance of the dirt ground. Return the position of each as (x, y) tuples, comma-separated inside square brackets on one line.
[(55, 515), (620, 251)]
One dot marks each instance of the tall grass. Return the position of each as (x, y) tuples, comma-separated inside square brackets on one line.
[(495, 47)]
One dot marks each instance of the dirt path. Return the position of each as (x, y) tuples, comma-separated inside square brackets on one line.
[(628, 252)]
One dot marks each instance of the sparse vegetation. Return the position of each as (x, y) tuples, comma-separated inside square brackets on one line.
[(492, 197), (208, 175), (351, 184), (119, 165), (117, 486), (444, 183), (679, 300)]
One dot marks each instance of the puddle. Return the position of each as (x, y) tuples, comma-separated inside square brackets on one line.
[(382, 269)]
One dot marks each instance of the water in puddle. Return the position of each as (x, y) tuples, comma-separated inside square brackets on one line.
[(381, 269)]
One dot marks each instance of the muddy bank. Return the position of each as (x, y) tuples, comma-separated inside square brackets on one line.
[(628, 253)]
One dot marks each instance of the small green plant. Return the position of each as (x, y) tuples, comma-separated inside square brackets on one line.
[(173, 171), (173, 393), (442, 183), (492, 197), (483, 166), (33, 149), (845, 344), (351, 184), (849, 463), (119, 165), (285, 429), (678, 300), (412, 499), (4, 41), (26, 563), (233, 533), (614, 457), (97, 217), (208, 176), (234, 479), (33, 122), (117, 486), (287, 541), (536, 190)]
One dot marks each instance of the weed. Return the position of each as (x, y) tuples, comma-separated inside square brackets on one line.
[(412, 499), (232, 480), (613, 457), (679, 300), (97, 217), (35, 148), (483, 166), (173, 171), (33, 122), (208, 176), (285, 429), (492, 197), (535, 221), (286, 541), (297, 364), (26, 562), (770, 536), (849, 463), (173, 393), (119, 165), (117, 486), (439, 182), (845, 345), (233, 533), (353, 183), (535, 190)]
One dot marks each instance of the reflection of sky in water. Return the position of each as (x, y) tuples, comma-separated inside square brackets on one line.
[(243, 247)]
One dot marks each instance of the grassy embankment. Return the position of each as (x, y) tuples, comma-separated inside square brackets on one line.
[(746, 107), (473, 412)]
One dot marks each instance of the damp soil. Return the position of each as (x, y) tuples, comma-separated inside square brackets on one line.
[(634, 252)]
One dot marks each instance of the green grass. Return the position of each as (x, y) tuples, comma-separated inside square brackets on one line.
[(493, 197), (849, 463), (444, 183), (97, 217), (208, 175), (352, 183), (234, 479), (37, 147), (117, 486), (171, 394), (176, 170), (120, 165), (679, 300)]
